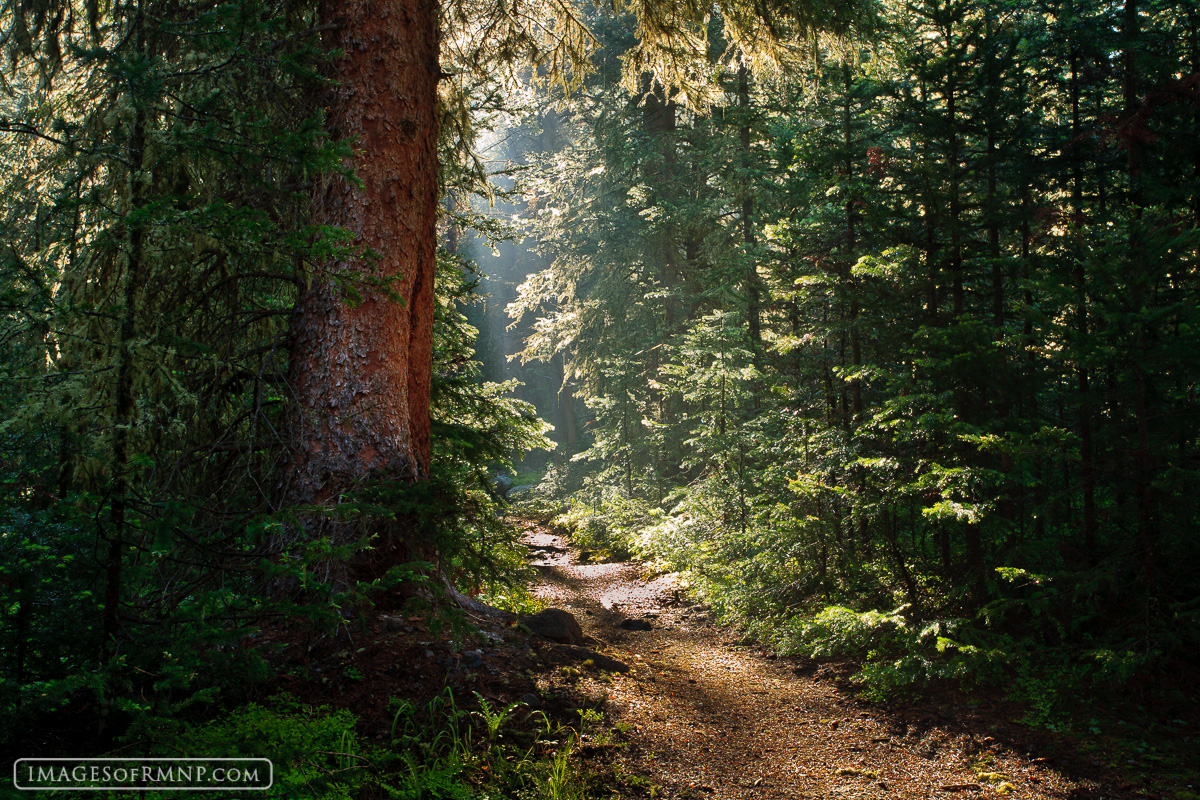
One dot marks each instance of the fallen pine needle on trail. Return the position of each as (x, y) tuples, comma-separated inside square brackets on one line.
[(710, 718)]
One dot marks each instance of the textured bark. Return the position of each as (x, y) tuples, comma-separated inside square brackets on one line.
[(361, 372)]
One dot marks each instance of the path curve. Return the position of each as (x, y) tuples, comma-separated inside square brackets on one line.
[(710, 718)]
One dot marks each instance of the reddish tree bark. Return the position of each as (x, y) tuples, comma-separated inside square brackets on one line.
[(361, 372)]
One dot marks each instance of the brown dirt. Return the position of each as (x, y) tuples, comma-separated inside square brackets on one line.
[(711, 718)]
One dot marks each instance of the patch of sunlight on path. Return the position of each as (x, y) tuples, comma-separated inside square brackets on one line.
[(714, 720)]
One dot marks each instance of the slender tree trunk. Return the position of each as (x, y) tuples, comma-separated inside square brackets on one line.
[(889, 528), (943, 543), (956, 257), (1147, 535), (753, 290), (659, 114), (993, 211), (361, 371), (628, 447), (125, 405), (1193, 19), (1133, 149), (827, 366), (930, 219), (974, 547), (565, 401), (1086, 467), (1038, 507), (856, 402), (659, 121)]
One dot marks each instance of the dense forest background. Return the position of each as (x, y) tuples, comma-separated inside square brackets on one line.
[(903, 337), (885, 336)]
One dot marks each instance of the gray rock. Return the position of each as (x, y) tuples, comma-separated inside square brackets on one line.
[(556, 625), (530, 699), (472, 659), (635, 625), (502, 484), (517, 492)]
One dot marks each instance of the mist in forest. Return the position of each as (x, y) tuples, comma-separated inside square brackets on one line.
[(502, 267)]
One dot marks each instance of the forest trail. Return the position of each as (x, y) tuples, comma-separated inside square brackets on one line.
[(710, 718)]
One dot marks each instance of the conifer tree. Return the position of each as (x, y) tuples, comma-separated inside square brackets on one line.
[(961, 374)]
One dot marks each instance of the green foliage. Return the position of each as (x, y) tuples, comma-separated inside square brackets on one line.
[(607, 523), (511, 595), (157, 233), (153, 256), (862, 338), (316, 752), (441, 754), (838, 631), (442, 751)]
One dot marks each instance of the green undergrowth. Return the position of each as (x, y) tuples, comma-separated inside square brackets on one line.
[(604, 522), (545, 499), (902, 654), (528, 477), (442, 750), (512, 597), (1018, 634)]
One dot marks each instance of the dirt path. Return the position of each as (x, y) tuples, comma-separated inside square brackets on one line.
[(712, 719)]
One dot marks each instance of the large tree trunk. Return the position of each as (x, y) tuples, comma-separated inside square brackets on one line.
[(361, 371)]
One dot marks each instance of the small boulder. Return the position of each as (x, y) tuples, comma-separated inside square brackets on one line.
[(532, 700), (804, 668), (503, 483), (598, 660), (519, 492), (556, 625), (635, 625)]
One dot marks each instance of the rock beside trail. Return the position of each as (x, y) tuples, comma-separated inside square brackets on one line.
[(556, 625), (635, 625), (599, 660), (393, 624)]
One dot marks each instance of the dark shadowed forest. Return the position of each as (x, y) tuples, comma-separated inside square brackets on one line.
[(861, 339)]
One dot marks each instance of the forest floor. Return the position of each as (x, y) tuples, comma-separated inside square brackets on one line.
[(692, 711), (706, 715)]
